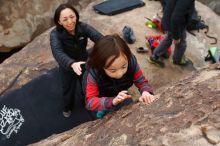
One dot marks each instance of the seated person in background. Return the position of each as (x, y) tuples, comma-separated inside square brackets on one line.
[(109, 75)]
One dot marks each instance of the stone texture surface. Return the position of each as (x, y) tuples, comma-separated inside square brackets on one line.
[(186, 114), (23, 20), (32, 61), (213, 4)]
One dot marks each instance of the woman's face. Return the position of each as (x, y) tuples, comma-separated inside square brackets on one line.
[(68, 19), (118, 67)]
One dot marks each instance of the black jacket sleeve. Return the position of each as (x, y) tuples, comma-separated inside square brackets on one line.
[(180, 16), (91, 32), (57, 50)]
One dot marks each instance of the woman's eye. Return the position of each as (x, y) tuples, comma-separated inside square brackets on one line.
[(71, 17), (125, 66), (112, 71)]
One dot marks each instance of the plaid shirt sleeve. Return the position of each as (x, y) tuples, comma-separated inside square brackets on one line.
[(93, 101), (140, 82)]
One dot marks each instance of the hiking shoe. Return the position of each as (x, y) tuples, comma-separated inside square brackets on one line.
[(165, 55), (155, 61), (128, 34), (142, 50), (67, 113), (182, 62)]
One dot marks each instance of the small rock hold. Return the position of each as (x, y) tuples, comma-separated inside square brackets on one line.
[(212, 134), (6, 32), (126, 114), (164, 129)]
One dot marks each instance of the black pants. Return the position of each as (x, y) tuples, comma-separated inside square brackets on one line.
[(69, 80), (179, 50)]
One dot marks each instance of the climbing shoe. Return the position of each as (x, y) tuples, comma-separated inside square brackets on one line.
[(67, 112), (165, 55), (156, 61), (128, 34), (182, 62)]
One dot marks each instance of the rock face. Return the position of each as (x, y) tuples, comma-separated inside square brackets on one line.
[(23, 20), (213, 4), (33, 60), (186, 113)]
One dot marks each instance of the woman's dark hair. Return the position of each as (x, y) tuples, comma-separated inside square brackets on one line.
[(107, 46), (58, 11)]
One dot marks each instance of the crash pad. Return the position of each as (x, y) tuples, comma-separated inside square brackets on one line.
[(34, 111), (112, 7)]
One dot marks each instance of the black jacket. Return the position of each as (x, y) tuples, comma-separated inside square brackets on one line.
[(67, 48), (177, 13)]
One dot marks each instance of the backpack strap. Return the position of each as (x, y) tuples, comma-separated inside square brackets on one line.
[(211, 37)]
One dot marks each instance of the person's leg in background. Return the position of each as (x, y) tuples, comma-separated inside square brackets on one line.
[(161, 50), (180, 48)]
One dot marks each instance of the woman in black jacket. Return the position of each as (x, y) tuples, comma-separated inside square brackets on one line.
[(68, 43)]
